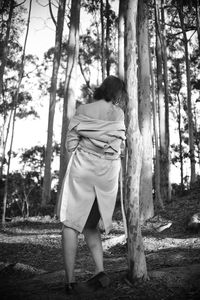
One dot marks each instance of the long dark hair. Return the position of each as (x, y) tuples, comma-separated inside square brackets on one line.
[(112, 89)]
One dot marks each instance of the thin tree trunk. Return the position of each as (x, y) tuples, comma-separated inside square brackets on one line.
[(46, 192), (121, 31), (99, 47), (27, 208), (158, 197), (157, 186), (15, 102), (4, 56), (146, 199), (102, 42), (136, 258), (189, 100), (166, 89), (122, 7), (87, 81), (107, 38), (8, 170), (164, 147), (198, 20), (180, 141), (4, 142), (69, 105)]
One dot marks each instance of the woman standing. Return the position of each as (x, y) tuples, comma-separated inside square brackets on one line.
[(95, 139)]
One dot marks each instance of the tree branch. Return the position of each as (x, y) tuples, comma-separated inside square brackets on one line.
[(20, 4), (51, 13)]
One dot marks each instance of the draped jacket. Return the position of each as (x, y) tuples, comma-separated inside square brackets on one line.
[(99, 136)]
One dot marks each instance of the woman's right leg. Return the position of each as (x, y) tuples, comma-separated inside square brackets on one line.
[(93, 241), (69, 245)]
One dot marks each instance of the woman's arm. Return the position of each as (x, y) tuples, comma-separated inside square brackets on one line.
[(73, 136)]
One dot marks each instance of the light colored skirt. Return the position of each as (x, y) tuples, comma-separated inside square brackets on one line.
[(88, 176)]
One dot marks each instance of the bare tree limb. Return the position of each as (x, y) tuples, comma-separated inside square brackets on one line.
[(20, 4), (51, 13)]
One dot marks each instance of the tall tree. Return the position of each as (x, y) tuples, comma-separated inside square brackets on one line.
[(4, 44), (46, 192), (146, 199), (198, 20), (175, 89), (102, 40), (121, 24), (157, 186), (180, 141), (15, 102), (69, 104), (4, 143), (107, 38), (166, 176), (136, 257), (162, 85), (189, 100)]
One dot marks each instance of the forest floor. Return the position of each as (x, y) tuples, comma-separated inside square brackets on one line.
[(31, 264)]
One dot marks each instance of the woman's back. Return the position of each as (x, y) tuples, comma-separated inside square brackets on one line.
[(101, 110)]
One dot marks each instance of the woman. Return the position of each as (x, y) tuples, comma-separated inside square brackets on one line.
[(95, 138)]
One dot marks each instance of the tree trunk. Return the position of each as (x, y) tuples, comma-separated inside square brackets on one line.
[(121, 24), (46, 192), (102, 42), (4, 143), (136, 257), (69, 105), (166, 89), (158, 197), (107, 38), (27, 208), (189, 100), (198, 20), (15, 101), (163, 108), (4, 52), (87, 80), (180, 141), (146, 199), (8, 171), (121, 30)]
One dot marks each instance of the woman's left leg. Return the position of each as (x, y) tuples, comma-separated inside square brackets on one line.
[(69, 245)]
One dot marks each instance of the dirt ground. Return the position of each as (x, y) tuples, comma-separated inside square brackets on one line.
[(31, 264)]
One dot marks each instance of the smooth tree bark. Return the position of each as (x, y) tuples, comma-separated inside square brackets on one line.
[(146, 199), (46, 191), (166, 176), (69, 104), (107, 38), (179, 117), (189, 98), (121, 26), (180, 141), (161, 121), (198, 20), (102, 40), (4, 50), (158, 197), (196, 136), (136, 258), (121, 56), (15, 102), (163, 108), (4, 142)]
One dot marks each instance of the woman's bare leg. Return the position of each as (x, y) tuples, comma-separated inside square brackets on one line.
[(93, 240), (69, 245)]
